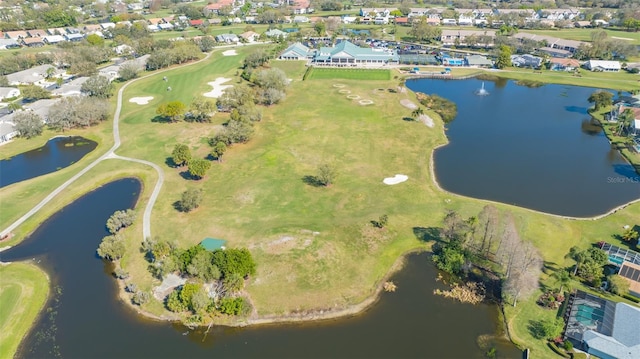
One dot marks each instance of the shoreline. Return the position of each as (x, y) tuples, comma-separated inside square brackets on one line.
[(306, 316), (571, 218)]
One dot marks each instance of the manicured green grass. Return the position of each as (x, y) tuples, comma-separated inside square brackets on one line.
[(23, 292), (348, 74)]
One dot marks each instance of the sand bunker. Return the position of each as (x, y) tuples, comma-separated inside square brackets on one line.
[(353, 97), (229, 53), (395, 179), (365, 102), (426, 120), (169, 283), (408, 104), (344, 91), (141, 100), (338, 86), (218, 87)]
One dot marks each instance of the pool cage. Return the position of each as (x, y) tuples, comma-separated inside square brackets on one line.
[(618, 255), (587, 312)]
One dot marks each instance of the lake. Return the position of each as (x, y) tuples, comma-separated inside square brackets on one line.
[(56, 154), (85, 319), (530, 147)]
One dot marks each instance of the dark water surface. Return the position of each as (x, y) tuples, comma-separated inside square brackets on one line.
[(532, 147), (87, 320), (56, 154)]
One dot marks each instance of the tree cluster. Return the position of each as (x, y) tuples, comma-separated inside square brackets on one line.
[(73, 112), (24, 61), (179, 52), (120, 220), (97, 86), (589, 264), (448, 110), (190, 200), (601, 99), (224, 270), (423, 32), (494, 238), (28, 124), (605, 48)]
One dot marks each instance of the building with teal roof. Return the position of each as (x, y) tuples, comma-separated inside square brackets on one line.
[(213, 244), (344, 53)]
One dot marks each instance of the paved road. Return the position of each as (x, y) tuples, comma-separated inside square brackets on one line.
[(110, 154)]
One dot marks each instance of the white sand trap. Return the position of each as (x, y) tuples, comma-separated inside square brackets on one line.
[(365, 102), (426, 120), (141, 100), (353, 97), (408, 104), (395, 179), (344, 91), (338, 86), (229, 53), (621, 38), (218, 87)]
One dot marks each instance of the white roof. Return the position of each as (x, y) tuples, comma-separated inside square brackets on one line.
[(604, 64), (54, 38), (636, 124)]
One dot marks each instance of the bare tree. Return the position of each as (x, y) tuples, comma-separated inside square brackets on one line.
[(525, 273), (489, 222)]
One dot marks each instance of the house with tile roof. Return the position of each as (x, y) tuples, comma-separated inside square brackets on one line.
[(32, 42), (563, 64)]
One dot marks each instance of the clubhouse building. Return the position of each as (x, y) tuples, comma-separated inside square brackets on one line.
[(343, 54)]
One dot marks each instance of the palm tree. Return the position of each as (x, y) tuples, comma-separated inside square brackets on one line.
[(577, 255), (625, 119), (417, 113), (562, 277)]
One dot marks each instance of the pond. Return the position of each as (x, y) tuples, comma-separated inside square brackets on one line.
[(531, 147), (56, 154), (85, 319)]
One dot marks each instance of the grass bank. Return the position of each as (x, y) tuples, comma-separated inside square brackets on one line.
[(621, 143), (23, 291)]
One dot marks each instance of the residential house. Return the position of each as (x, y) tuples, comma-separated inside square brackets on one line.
[(296, 51), (90, 29), (555, 52), (600, 23), (459, 37), (434, 21), (110, 72), (563, 64), (9, 92), (107, 25), (346, 53), (301, 7), (449, 22), (41, 107), (7, 131), (136, 6), (74, 37), (300, 19), (275, 33), (603, 328), (349, 19), (404, 21), (16, 35), (153, 28), (582, 24), (53, 39), (196, 23), (478, 61), (33, 76), (125, 23), (631, 273), (37, 33), (376, 12), (71, 88), (526, 60), (250, 36), (603, 66), (32, 42), (466, 19), (123, 49), (56, 31), (8, 44), (214, 9), (227, 38), (553, 42), (167, 26)]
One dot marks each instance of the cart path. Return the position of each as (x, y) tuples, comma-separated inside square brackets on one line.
[(110, 154)]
